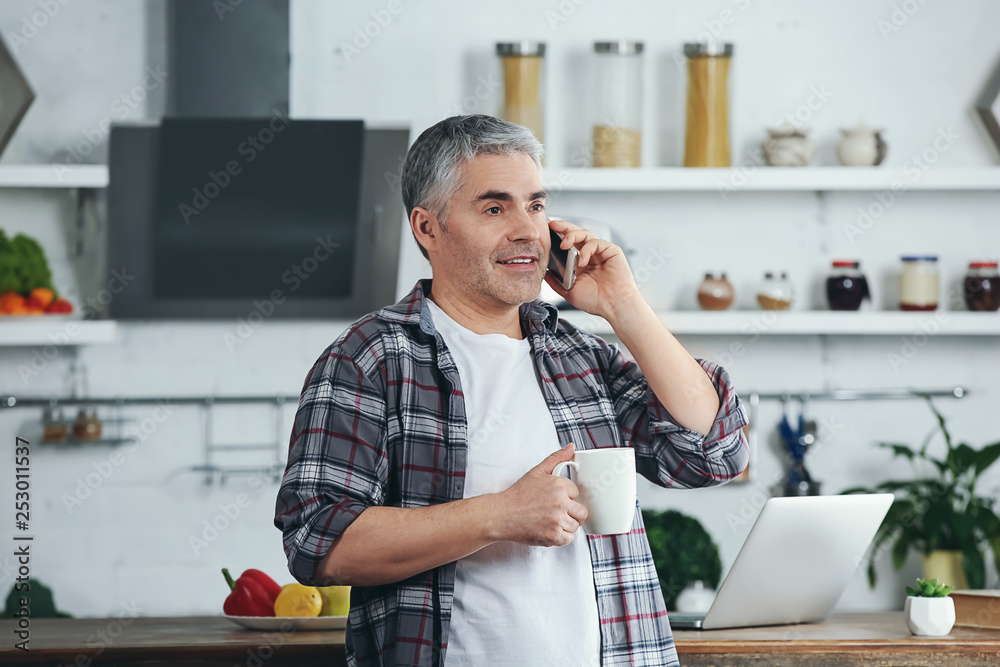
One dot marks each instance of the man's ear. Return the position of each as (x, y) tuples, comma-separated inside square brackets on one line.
[(426, 228)]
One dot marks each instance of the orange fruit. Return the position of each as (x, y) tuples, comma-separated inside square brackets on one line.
[(44, 295)]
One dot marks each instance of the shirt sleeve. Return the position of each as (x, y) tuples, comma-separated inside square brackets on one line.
[(337, 462), (667, 453)]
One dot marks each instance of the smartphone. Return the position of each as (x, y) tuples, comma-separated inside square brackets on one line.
[(562, 263)]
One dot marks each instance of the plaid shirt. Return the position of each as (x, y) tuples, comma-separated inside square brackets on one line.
[(382, 421)]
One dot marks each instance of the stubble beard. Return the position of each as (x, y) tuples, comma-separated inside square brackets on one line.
[(486, 278)]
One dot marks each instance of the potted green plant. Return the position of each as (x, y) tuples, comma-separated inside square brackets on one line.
[(939, 510), (683, 552), (929, 610)]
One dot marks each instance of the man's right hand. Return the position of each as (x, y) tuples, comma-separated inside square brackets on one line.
[(541, 510)]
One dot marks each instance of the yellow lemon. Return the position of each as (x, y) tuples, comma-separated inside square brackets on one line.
[(298, 600), (336, 600)]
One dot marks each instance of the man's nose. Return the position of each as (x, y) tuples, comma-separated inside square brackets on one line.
[(524, 227)]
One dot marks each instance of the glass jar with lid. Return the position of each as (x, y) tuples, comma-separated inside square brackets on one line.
[(846, 286), (982, 286), (54, 427), (706, 137), (87, 425), (919, 283), (775, 293), (715, 292), (523, 84), (617, 126)]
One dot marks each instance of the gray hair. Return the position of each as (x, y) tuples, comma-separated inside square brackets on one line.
[(431, 173)]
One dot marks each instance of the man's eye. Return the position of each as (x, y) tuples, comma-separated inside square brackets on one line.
[(538, 207), (493, 210)]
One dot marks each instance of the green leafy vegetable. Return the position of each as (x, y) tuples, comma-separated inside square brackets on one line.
[(23, 266)]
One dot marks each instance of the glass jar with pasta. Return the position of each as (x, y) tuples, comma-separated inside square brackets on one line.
[(523, 85), (706, 136)]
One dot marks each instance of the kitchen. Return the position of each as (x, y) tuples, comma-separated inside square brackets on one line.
[(146, 511)]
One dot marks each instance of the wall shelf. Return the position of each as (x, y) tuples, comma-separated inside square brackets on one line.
[(53, 330), (763, 178), (802, 322), (53, 176)]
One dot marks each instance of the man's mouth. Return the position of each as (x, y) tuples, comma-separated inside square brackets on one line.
[(518, 260)]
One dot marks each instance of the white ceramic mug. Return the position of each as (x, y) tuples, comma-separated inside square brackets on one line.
[(606, 478)]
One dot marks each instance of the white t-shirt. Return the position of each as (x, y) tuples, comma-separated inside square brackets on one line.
[(514, 604)]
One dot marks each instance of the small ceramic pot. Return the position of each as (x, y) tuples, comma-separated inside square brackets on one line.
[(788, 147), (861, 147), (933, 617), (695, 599)]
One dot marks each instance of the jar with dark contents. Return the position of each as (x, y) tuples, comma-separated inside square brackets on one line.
[(846, 286), (982, 287), (87, 425)]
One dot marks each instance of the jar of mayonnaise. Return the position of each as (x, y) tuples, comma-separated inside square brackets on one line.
[(919, 283)]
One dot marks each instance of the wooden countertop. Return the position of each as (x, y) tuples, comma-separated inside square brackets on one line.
[(879, 638), (153, 642), (846, 639)]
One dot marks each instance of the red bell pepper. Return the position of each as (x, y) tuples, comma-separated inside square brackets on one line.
[(271, 586), (249, 596)]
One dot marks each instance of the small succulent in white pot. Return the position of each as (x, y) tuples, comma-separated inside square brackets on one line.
[(929, 610)]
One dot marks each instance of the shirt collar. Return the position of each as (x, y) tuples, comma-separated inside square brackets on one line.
[(410, 311)]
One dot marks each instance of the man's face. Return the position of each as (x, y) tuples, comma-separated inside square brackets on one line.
[(497, 216)]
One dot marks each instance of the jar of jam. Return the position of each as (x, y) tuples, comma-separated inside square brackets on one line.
[(846, 287), (982, 287), (715, 292), (919, 283)]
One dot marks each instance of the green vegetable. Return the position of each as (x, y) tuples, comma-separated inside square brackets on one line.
[(23, 266), (683, 552), (929, 588), (40, 602)]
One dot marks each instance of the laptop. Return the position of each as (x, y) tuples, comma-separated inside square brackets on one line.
[(795, 564)]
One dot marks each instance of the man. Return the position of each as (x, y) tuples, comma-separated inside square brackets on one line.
[(420, 460)]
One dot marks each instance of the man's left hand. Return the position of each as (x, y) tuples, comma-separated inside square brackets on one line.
[(604, 280)]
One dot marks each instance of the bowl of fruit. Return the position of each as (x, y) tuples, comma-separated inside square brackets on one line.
[(26, 281), (258, 602)]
